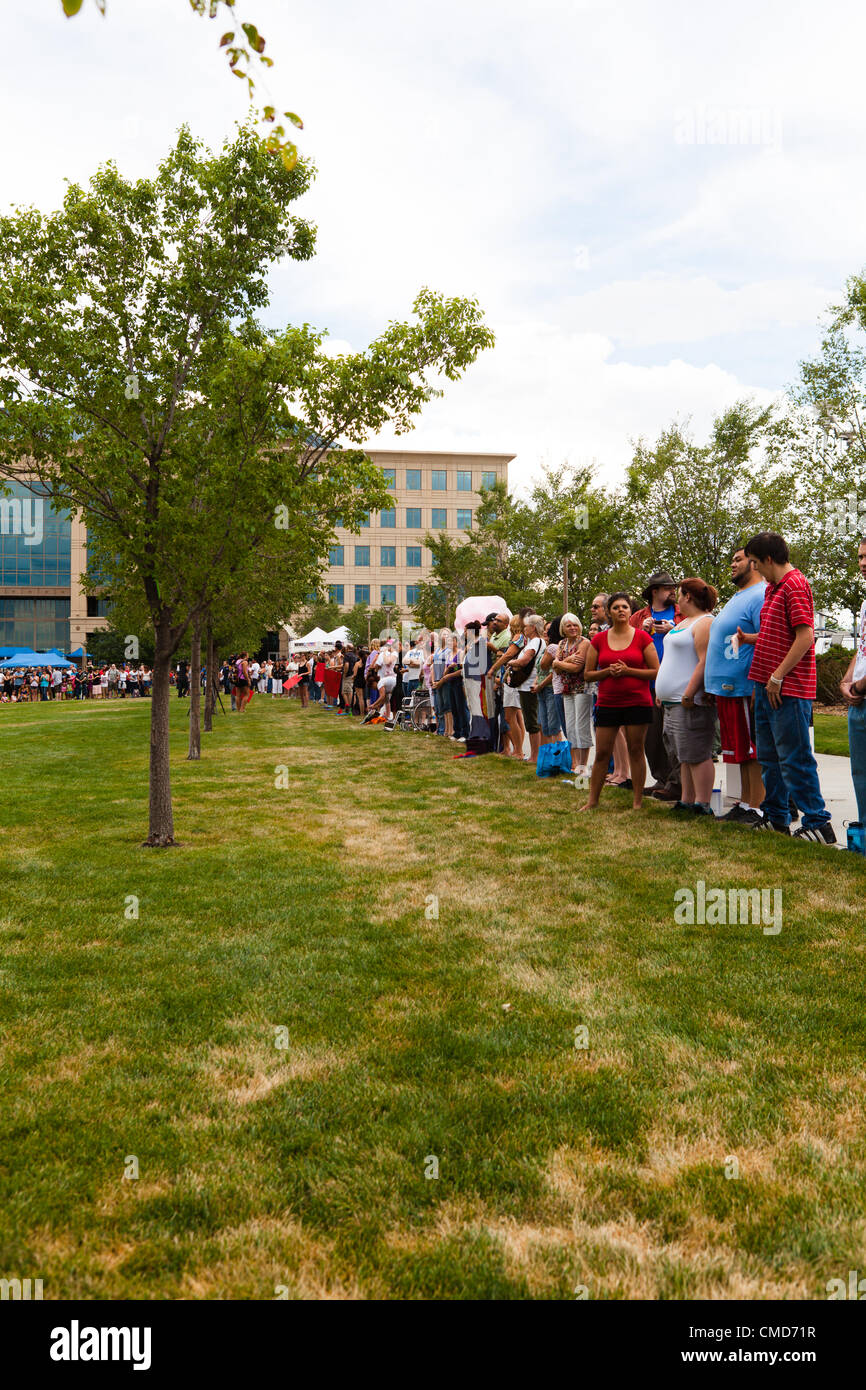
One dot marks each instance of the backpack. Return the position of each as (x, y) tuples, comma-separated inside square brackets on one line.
[(477, 745)]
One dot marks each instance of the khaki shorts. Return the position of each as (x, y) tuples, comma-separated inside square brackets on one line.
[(510, 698), (691, 731)]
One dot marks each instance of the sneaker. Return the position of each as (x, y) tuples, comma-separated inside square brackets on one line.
[(822, 834), (740, 815), (762, 823), (699, 809), (684, 806)]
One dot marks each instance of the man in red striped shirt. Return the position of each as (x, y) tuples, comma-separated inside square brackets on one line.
[(783, 669)]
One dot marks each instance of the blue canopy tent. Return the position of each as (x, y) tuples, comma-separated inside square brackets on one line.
[(33, 659), (12, 651)]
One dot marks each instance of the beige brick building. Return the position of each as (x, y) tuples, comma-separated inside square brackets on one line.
[(382, 565)]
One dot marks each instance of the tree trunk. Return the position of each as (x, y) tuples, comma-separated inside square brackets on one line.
[(211, 687), (194, 753), (161, 827)]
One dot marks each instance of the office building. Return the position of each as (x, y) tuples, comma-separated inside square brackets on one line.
[(384, 563)]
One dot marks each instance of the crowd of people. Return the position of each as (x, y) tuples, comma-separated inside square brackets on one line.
[(670, 680), (108, 681)]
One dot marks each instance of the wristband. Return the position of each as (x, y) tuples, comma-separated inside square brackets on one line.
[(773, 680)]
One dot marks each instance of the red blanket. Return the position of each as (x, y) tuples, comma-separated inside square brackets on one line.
[(333, 681)]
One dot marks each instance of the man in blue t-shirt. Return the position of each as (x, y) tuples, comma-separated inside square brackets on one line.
[(726, 675)]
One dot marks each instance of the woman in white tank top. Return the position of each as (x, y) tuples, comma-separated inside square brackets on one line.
[(690, 717)]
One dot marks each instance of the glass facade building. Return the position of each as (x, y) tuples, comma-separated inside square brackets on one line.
[(35, 563), (35, 542)]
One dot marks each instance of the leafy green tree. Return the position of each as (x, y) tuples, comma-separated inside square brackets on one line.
[(579, 524), (322, 613), (688, 505), (819, 439), (138, 387), (459, 569)]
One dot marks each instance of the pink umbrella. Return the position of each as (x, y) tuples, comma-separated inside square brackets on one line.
[(475, 610)]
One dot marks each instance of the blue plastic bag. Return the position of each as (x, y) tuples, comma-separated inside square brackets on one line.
[(553, 759)]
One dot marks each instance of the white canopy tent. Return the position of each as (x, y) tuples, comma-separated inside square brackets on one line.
[(315, 641), (340, 634)]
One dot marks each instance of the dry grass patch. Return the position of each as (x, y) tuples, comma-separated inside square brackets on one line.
[(249, 1071), (270, 1258)]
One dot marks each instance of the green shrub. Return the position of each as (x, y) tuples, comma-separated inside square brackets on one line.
[(831, 667)]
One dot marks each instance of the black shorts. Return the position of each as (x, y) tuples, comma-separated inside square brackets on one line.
[(614, 716), (241, 684)]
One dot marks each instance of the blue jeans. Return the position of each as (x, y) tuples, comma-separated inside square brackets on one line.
[(560, 710), (857, 749), (548, 714), (787, 760), (439, 706)]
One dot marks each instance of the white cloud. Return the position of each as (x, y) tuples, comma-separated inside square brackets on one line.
[(473, 147), (669, 309), (543, 393)]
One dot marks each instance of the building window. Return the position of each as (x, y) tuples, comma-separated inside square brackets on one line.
[(362, 555), (440, 519), (390, 476), (389, 593), (413, 479), (411, 595), (388, 518), (388, 558), (39, 624), (413, 518), (439, 480), (464, 518), (98, 607), (312, 597), (34, 540), (362, 592), (488, 479), (335, 555), (335, 593), (413, 557), (464, 480)]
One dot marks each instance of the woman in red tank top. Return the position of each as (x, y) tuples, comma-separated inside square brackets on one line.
[(623, 660)]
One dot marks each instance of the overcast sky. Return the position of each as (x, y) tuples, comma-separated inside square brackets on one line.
[(653, 201)]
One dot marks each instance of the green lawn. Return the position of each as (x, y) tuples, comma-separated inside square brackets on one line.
[(831, 734), (708, 1142)]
